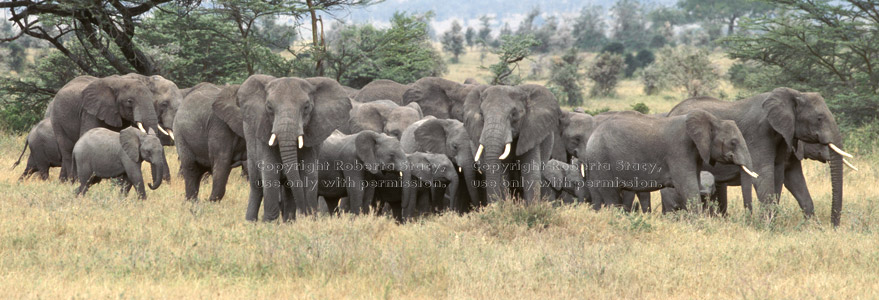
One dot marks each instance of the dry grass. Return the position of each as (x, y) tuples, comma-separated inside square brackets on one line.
[(53, 245)]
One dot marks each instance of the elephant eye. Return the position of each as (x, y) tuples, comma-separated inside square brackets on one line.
[(269, 107), (307, 108), (129, 101)]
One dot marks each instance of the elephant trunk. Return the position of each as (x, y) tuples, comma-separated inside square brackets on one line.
[(157, 169), (145, 118), (452, 190), (496, 140), (836, 184), (289, 150)]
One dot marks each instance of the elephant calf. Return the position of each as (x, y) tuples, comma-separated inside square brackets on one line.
[(564, 178), (44, 151), (434, 175), (103, 153), (707, 192)]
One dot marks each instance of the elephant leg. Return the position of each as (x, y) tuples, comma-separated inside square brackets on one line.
[(397, 210), (531, 175), (369, 200), (355, 186), (765, 186), (721, 197), (332, 204), (288, 206), (192, 175), (609, 196), (166, 173), (126, 186), (256, 193), (438, 200), (222, 167), (795, 182), (628, 200), (136, 178), (644, 202)]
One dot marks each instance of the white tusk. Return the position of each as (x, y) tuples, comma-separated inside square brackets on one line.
[(849, 164), (582, 171), (401, 174), (301, 143), (832, 146), (460, 170), (749, 172), (162, 130), (272, 140), (171, 134), (478, 152), (140, 125), (506, 152)]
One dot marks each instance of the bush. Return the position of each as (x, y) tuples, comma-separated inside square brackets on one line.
[(597, 111), (641, 108), (565, 75), (689, 68), (605, 73), (615, 47), (652, 79)]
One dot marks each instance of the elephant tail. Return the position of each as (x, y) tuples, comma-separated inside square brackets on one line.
[(20, 155)]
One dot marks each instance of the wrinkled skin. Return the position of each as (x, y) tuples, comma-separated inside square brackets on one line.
[(300, 113), (103, 153), (563, 180), (351, 91), (519, 122), (448, 137), (356, 163), (676, 148), (210, 138), (381, 89), (772, 123), (434, 175), (707, 193), (575, 130), (381, 116), (87, 102), (167, 99), (44, 151), (439, 97)]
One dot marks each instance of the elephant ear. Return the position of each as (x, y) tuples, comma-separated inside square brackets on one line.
[(779, 109), (367, 116), (130, 140), (331, 107), (416, 107), (252, 98), (473, 120), (541, 117), (699, 128), (99, 99), (226, 108), (431, 137), (364, 143)]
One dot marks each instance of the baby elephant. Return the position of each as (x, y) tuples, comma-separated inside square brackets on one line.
[(103, 153), (565, 181)]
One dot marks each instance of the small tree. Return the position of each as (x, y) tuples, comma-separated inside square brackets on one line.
[(605, 72), (470, 36), (512, 50), (689, 68), (565, 74), (453, 41), (652, 78)]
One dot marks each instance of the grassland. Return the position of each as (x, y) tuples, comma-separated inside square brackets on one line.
[(54, 245)]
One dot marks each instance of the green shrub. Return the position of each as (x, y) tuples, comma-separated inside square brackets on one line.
[(605, 71), (641, 108)]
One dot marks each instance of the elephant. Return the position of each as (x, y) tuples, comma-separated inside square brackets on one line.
[(575, 130), (433, 175), (772, 123), (44, 151), (351, 91), (514, 126), (439, 97), (471, 80), (382, 89), (358, 165), (563, 180), (448, 137), (88, 102), (635, 152), (707, 193), (285, 122), (210, 138), (103, 153), (382, 116), (167, 100)]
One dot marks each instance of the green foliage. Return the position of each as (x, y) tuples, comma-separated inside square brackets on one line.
[(512, 50), (689, 68), (453, 41), (629, 26), (605, 71), (652, 79), (588, 29), (566, 77), (615, 47), (597, 111), (470, 36), (484, 35), (635, 62), (641, 108)]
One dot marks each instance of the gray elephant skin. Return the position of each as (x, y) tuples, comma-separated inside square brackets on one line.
[(512, 129), (44, 153), (382, 89), (103, 153), (382, 116), (439, 97), (210, 137), (708, 193), (563, 180), (285, 122), (665, 152), (167, 99), (450, 138), (88, 102), (772, 124), (433, 176), (355, 164)]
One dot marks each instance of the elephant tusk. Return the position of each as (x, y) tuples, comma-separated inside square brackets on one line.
[(162, 130), (272, 140), (401, 174), (749, 172), (582, 171), (478, 152), (301, 143), (140, 126), (460, 170), (506, 152), (171, 134), (849, 164), (835, 148)]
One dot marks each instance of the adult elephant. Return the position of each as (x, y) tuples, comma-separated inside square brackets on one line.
[(439, 97), (285, 121), (382, 116), (576, 129), (514, 126), (210, 138), (167, 100), (772, 124), (44, 151), (382, 89), (450, 138), (88, 102)]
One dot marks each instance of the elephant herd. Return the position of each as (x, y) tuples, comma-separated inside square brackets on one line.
[(430, 146)]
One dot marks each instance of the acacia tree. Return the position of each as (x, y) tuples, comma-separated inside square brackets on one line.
[(513, 49), (453, 41), (723, 11)]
